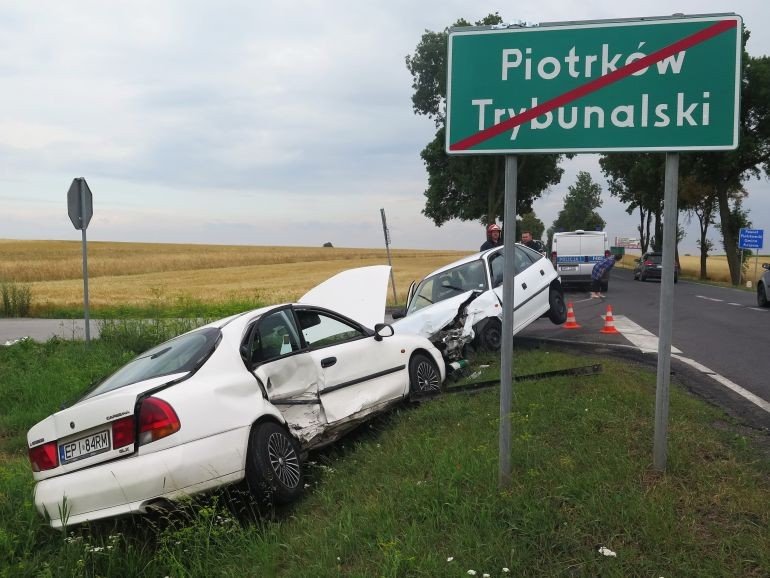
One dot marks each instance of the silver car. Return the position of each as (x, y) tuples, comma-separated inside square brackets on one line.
[(762, 285)]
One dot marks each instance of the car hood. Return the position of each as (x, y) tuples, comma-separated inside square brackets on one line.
[(356, 293), (431, 319)]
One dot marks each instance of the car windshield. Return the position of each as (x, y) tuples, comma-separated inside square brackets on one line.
[(655, 258), (461, 279), (180, 355)]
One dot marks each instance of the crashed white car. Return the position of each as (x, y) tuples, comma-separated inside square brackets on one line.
[(243, 397), (462, 302)]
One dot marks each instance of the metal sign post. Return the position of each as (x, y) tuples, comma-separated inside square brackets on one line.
[(666, 310), (506, 347), (387, 248), (80, 209)]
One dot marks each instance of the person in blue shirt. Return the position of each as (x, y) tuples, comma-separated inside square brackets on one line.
[(599, 271)]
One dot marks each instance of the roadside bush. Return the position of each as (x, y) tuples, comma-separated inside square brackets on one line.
[(139, 335), (16, 299)]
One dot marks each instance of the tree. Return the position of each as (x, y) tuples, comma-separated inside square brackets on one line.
[(580, 204), (738, 218), (727, 171), (467, 187), (530, 222), (701, 201), (637, 180)]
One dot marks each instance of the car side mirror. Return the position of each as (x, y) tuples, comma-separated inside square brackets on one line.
[(766, 266), (382, 330), (398, 314)]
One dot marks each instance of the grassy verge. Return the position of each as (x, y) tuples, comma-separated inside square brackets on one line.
[(415, 493)]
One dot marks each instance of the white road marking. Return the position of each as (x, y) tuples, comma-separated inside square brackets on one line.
[(735, 304), (759, 309), (646, 342), (709, 298), (756, 400)]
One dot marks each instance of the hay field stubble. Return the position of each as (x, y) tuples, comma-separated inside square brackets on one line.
[(150, 273)]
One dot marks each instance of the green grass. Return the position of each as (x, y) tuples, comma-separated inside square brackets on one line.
[(413, 488)]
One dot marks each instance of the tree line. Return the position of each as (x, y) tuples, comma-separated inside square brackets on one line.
[(711, 184)]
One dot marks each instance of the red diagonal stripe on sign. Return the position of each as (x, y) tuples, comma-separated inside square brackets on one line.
[(594, 85)]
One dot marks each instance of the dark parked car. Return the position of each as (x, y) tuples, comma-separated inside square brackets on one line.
[(650, 266), (762, 284)]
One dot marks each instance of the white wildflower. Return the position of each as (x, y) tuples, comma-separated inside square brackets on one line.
[(506, 570), (607, 552), (471, 572), (450, 558)]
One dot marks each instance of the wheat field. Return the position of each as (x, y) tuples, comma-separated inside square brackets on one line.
[(143, 274)]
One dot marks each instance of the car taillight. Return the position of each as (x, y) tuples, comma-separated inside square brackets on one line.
[(123, 432), (44, 457), (157, 419), (648, 263)]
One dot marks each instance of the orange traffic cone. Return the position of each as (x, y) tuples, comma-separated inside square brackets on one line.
[(571, 322), (609, 322)]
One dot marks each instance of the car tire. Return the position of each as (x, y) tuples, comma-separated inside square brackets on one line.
[(762, 296), (557, 311), (273, 464), (642, 277), (490, 336), (424, 376)]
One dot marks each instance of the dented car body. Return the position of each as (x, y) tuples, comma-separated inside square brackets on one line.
[(461, 303), (241, 398)]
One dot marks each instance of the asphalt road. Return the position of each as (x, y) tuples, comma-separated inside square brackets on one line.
[(718, 328)]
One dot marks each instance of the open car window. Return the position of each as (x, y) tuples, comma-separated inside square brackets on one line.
[(321, 330), (456, 281)]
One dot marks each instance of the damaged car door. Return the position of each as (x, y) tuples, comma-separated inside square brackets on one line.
[(359, 370)]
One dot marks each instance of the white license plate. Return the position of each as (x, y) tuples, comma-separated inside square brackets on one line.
[(567, 267), (84, 447)]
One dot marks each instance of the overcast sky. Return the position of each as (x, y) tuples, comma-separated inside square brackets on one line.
[(252, 122)]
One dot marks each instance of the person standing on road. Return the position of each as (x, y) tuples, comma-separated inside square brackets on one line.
[(599, 271), (493, 238)]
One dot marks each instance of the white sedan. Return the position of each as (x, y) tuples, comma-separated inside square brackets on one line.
[(463, 301), (243, 397)]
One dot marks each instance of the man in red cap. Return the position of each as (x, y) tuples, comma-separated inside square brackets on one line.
[(493, 238)]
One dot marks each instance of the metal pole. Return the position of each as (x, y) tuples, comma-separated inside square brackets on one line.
[(387, 249), (666, 310), (85, 259), (506, 348), (756, 260)]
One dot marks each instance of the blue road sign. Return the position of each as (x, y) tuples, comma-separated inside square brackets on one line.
[(750, 238)]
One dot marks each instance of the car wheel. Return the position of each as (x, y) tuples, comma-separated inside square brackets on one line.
[(762, 296), (490, 336), (424, 376), (558, 310), (642, 277), (273, 465)]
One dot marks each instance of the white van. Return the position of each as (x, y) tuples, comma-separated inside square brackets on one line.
[(574, 254)]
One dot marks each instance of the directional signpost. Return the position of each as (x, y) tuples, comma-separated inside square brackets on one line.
[(647, 84), (80, 207), (751, 239)]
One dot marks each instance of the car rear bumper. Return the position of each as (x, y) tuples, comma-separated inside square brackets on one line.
[(129, 485)]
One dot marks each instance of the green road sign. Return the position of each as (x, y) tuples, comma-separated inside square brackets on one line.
[(662, 84)]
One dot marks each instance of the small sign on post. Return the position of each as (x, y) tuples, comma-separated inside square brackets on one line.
[(80, 207)]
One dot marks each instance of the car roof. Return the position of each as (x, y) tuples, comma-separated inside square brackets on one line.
[(463, 261)]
